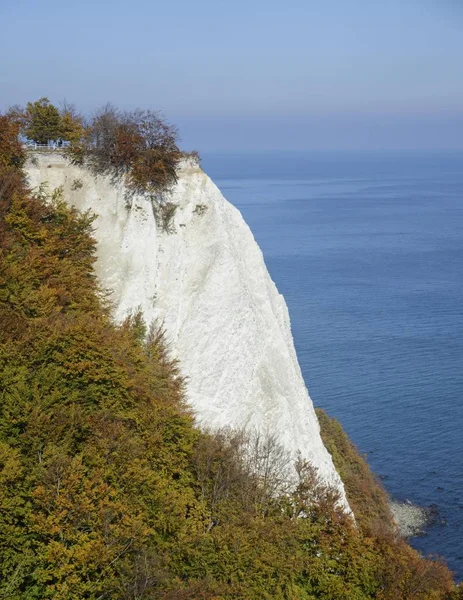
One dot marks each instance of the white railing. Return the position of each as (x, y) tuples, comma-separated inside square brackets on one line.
[(47, 147)]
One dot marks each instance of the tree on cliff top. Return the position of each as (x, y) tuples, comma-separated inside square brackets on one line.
[(71, 126), (139, 145), (43, 121)]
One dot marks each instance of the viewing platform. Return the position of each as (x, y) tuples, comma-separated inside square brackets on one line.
[(50, 147)]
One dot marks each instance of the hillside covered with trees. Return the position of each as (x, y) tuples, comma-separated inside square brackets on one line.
[(107, 488)]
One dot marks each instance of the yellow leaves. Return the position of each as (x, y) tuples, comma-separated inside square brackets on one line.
[(19, 219), (86, 527), (71, 128), (10, 466)]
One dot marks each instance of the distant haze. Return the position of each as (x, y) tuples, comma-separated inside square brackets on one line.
[(250, 74)]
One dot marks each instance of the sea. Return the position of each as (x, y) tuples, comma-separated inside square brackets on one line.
[(367, 249)]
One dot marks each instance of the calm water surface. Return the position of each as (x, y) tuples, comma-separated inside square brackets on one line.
[(368, 252)]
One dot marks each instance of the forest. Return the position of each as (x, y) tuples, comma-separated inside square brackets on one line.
[(108, 490)]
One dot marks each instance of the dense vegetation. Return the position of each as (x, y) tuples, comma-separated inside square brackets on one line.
[(108, 491), (367, 497), (138, 145), (42, 122)]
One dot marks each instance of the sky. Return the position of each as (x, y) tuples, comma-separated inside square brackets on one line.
[(250, 74)]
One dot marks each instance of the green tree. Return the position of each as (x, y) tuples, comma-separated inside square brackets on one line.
[(43, 121)]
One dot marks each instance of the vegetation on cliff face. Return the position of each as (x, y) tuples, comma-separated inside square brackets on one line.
[(367, 497), (108, 491)]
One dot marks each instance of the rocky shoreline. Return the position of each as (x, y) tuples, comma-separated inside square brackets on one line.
[(411, 519)]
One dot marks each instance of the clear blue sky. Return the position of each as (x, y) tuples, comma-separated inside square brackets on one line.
[(250, 74)]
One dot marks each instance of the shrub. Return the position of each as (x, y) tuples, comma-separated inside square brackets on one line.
[(193, 155), (77, 184), (164, 213), (200, 209), (138, 145)]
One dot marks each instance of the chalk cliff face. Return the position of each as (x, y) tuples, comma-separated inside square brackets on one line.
[(207, 282)]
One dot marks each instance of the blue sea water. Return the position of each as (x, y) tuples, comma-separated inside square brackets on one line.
[(368, 252)]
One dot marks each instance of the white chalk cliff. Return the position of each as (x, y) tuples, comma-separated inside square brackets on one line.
[(208, 283)]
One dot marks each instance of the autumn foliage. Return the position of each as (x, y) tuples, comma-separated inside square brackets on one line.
[(137, 145), (107, 489)]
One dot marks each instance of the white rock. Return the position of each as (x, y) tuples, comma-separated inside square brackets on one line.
[(224, 318)]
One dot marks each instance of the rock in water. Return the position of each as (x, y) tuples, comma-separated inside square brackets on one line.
[(206, 280)]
